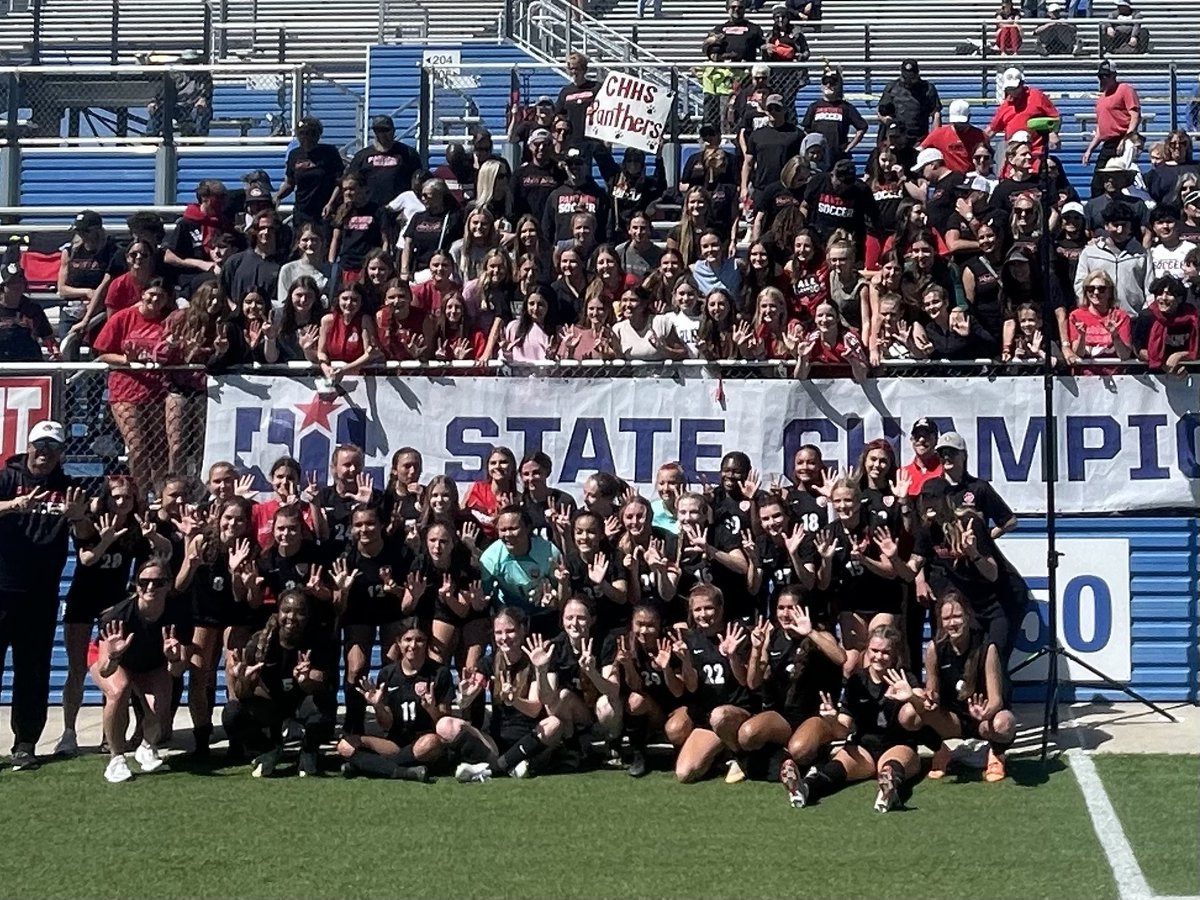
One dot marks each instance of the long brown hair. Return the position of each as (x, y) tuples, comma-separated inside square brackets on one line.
[(977, 648)]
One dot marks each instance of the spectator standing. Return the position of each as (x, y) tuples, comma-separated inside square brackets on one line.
[(386, 166), (743, 39), (1118, 115), (1169, 249), (579, 193), (1121, 257), (1115, 181), (912, 102), (535, 180), (38, 503), (833, 117), (935, 187), (313, 171), (573, 102), (768, 149), (958, 140), (1021, 103), (1167, 332)]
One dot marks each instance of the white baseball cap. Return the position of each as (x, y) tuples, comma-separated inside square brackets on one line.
[(960, 112), (927, 156), (47, 430), (1012, 78)]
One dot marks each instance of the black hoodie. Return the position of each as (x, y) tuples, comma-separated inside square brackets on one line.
[(33, 544)]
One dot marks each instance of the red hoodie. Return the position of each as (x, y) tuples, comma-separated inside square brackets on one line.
[(210, 227)]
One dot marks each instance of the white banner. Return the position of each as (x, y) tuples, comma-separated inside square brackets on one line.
[(23, 403), (1093, 605), (1124, 443), (629, 111)]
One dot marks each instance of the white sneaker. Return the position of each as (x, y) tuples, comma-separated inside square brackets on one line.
[(520, 770), (468, 772), (148, 758), (264, 764), (117, 770), (735, 775), (68, 744)]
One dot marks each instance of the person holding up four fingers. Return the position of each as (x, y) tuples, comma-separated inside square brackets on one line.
[(713, 657), (288, 671), (144, 644), (409, 699)]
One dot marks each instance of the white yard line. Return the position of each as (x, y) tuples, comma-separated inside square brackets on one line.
[(1131, 881)]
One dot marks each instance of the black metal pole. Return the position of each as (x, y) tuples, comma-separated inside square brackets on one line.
[(115, 35), (35, 47)]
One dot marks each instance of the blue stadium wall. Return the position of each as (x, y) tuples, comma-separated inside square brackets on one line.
[(1163, 574)]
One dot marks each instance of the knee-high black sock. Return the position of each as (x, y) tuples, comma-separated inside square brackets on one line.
[(828, 778), (521, 750), (637, 730), (356, 712), (469, 748), (373, 764), (405, 757), (930, 738)]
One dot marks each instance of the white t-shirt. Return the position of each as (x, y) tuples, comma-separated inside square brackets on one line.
[(1170, 262), (638, 346), (688, 329)]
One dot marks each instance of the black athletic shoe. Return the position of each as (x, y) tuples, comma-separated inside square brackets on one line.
[(309, 766), (637, 765), (24, 760), (412, 773)]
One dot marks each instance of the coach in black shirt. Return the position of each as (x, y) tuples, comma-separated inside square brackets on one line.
[(768, 149)]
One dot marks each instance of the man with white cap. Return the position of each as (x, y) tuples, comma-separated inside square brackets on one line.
[(958, 139), (1118, 115), (39, 504), (935, 186), (1057, 35), (1021, 103)]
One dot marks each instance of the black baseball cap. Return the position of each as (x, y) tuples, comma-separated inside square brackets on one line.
[(87, 220), (925, 425), (910, 67)]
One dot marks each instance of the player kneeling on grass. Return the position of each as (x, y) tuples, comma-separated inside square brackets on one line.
[(793, 663), (410, 698), (582, 693), (713, 669), (520, 729), (964, 693), (287, 671), (881, 725), (144, 644), (650, 684)]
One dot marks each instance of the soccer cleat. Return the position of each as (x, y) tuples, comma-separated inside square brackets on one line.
[(797, 790), (940, 763), (265, 763), (117, 770), (68, 744), (308, 764), (147, 757), (412, 773), (995, 767), (468, 772), (736, 773), (637, 764), (521, 770), (24, 761), (888, 797)]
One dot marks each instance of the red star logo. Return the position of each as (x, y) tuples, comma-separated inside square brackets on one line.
[(316, 412)]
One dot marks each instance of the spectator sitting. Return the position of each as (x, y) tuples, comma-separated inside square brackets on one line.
[(1056, 36), (958, 140), (1123, 32), (24, 328), (1097, 327), (1008, 29), (1167, 332)]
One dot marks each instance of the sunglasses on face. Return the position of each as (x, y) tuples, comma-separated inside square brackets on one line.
[(47, 444), (1096, 288), (149, 584)]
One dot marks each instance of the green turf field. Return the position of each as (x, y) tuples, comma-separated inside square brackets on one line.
[(601, 834), (1158, 801)]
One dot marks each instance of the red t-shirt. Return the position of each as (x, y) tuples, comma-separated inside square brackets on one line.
[(957, 147), (1014, 113), (123, 293), (1114, 110), (140, 340), (395, 333), (1097, 341), (918, 474), (428, 296), (261, 515)]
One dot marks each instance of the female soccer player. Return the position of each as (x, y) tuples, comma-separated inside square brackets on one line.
[(651, 686), (784, 554), (582, 694), (285, 480), (515, 674), (143, 646), (408, 699), (375, 589), (880, 724), (712, 658), (792, 664), (711, 555), (964, 690), (587, 571), (288, 671), (449, 603)]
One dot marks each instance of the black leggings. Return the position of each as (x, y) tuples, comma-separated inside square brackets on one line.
[(257, 722)]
